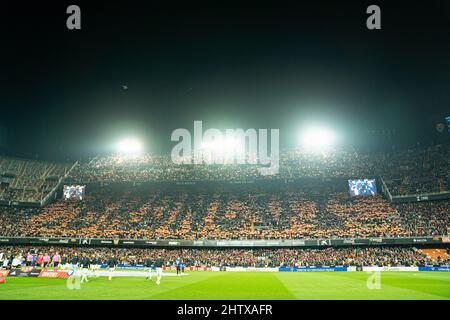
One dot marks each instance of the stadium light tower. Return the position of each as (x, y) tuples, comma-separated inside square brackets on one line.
[(129, 146), (317, 137)]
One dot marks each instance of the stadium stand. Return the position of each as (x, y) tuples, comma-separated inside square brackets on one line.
[(147, 197), (287, 213), (374, 256), (426, 218), (417, 171), (122, 202), (29, 180), (439, 255)]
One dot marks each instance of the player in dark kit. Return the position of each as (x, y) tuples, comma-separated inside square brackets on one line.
[(85, 264), (112, 262), (75, 261), (159, 265), (95, 265), (178, 265), (149, 266)]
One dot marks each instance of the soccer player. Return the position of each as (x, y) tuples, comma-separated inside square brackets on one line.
[(64, 262), (46, 261), (39, 260), (85, 264), (17, 261), (75, 261), (33, 262), (183, 265), (159, 265), (112, 262), (9, 261), (95, 265), (99, 265), (178, 265), (29, 259), (56, 260), (149, 265)]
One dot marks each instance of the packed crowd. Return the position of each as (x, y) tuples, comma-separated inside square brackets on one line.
[(287, 213), (405, 172), (371, 256), (28, 180), (425, 217)]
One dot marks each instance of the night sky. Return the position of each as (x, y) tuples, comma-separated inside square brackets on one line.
[(261, 65)]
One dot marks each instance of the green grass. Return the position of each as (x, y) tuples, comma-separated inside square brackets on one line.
[(239, 285)]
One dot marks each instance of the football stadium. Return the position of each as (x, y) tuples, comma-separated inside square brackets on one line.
[(106, 226), (176, 156)]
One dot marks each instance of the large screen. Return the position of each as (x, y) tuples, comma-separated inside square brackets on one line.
[(74, 192), (362, 187)]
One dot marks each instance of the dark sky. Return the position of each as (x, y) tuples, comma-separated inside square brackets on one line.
[(261, 65)]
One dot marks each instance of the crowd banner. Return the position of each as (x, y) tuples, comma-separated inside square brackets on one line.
[(244, 269), (280, 243), (399, 268), (123, 266), (168, 268), (422, 197), (173, 268), (24, 272), (311, 269), (54, 274), (138, 270), (4, 273), (441, 268)]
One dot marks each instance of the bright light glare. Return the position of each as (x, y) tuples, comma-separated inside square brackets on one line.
[(228, 145), (129, 146), (226, 149), (318, 137), (231, 144)]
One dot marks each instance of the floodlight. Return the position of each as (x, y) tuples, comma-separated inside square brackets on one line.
[(129, 146), (317, 137)]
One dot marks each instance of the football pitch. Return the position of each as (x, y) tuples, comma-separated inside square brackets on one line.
[(238, 285)]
